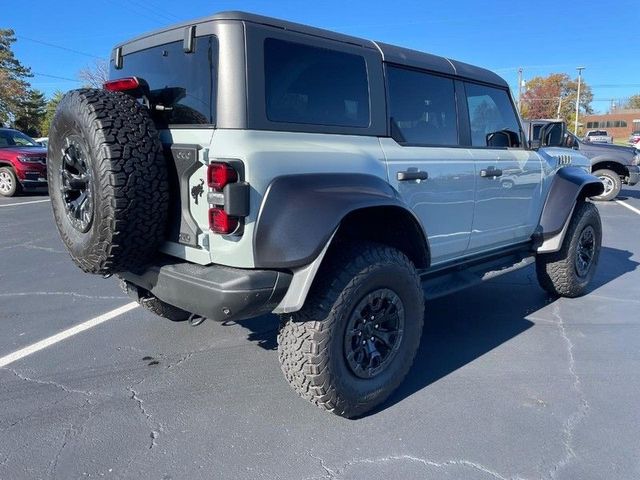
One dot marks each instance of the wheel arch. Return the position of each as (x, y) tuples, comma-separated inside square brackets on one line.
[(570, 186), (608, 164)]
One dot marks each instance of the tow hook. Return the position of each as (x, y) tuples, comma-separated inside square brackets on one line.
[(195, 319)]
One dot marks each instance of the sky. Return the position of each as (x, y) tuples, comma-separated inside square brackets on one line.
[(58, 38)]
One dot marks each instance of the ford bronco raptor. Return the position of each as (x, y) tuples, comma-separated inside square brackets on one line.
[(238, 165)]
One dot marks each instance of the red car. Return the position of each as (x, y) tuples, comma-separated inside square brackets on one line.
[(23, 163)]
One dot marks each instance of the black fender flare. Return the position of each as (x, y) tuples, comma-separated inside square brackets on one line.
[(300, 213), (569, 185)]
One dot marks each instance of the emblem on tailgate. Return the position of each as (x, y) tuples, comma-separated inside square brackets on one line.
[(197, 191)]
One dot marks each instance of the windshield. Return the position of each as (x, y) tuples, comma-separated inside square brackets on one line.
[(597, 133), (14, 138)]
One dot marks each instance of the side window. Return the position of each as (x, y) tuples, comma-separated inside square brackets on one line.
[(314, 85), (491, 113), (422, 108)]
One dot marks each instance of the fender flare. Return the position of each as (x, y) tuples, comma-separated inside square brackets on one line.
[(300, 214), (569, 186)]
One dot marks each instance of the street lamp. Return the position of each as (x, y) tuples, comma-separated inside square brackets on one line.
[(575, 130)]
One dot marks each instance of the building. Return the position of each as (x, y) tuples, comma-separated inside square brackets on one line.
[(619, 123)]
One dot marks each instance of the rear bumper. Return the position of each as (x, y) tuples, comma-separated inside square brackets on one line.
[(215, 292), (634, 175)]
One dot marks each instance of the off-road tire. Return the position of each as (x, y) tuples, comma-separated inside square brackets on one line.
[(128, 178), (14, 189), (557, 272), (153, 304), (615, 181), (311, 341)]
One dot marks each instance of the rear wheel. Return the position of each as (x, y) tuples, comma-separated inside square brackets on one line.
[(567, 273), (355, 339), (612, 184), (9, 184)]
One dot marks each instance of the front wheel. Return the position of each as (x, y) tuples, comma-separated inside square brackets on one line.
[(9, 185), (567, 273), (612, 184), (355, 339)]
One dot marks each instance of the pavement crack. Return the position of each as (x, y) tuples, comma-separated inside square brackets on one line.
[(583, 405), (46, 382), (336, 474), (156, 427), (182, 359)]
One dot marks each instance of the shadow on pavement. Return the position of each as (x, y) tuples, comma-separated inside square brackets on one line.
[(625, 194), (464, 326)]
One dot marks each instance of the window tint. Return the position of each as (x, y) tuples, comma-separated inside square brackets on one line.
[(490, 111), (14, 138), (313, 85), (422, 108), (185, 82)]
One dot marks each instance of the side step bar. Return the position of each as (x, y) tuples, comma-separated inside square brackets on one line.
[(444, 281)]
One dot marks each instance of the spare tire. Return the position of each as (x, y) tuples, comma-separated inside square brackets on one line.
[(108, 180)]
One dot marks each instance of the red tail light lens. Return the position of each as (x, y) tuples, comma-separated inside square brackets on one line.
[(220, 222), (220, 174), (122, 84)]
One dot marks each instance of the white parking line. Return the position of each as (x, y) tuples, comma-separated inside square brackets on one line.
[(47, 342), (24, 203), (625, 204)]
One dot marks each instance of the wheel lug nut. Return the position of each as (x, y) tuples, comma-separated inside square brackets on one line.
[(359, 334), (364, 343), (376, 326), (372, 339)]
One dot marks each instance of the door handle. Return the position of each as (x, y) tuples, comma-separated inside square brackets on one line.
[(411, 175), (490, 172)]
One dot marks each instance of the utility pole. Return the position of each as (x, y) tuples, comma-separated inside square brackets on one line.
[(520, 90), (575, 130)]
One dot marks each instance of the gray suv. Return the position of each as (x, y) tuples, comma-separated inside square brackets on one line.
[(239, 165)]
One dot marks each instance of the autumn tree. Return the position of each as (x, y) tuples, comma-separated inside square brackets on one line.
[(13, 75), (544, 96), (634, 101)]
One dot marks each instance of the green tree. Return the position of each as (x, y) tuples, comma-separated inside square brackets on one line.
[(30, 113), (50, 111), (13, 75), (544, 96)]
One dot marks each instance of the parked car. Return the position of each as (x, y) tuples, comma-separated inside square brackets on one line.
[(315, 175), (634, 140), (615, 165), (598, 136), (22, 163)]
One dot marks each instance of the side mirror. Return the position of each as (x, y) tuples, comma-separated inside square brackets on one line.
[(503, 139), (552, 134)]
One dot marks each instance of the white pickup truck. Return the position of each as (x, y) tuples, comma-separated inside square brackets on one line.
[(598, 136)]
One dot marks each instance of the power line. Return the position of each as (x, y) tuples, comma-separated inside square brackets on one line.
[(56, 77), (52, 45)]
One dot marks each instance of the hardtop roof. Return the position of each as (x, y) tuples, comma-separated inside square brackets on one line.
[(390, 53)]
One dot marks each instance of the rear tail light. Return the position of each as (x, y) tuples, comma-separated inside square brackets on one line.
[(122, 84), (220, 174), (220, 222)]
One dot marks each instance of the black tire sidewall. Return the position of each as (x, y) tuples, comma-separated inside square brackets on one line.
[(372, 390), (80, 245), (587, 218)]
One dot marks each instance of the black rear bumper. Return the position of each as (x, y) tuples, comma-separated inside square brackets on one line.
[(634, 175), (215, 292)]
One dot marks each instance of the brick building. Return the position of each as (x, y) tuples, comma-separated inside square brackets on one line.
[(619, 123)]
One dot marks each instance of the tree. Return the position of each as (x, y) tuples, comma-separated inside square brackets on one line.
[(30, 113), (50, 111), (13, 75), (95, 75), (634, 101), (545, 95)]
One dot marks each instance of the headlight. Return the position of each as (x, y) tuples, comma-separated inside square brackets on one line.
[(29, 159)]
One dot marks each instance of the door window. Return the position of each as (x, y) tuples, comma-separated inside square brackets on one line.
[(492, 117), (422, 108)]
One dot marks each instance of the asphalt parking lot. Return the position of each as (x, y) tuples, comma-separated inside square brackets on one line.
[(508, 383)]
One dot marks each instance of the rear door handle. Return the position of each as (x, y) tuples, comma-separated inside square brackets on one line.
[(490, 172), (411, 175)]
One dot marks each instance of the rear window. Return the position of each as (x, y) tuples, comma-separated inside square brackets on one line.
[(312, 85), (184, 83), (597, 133)]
